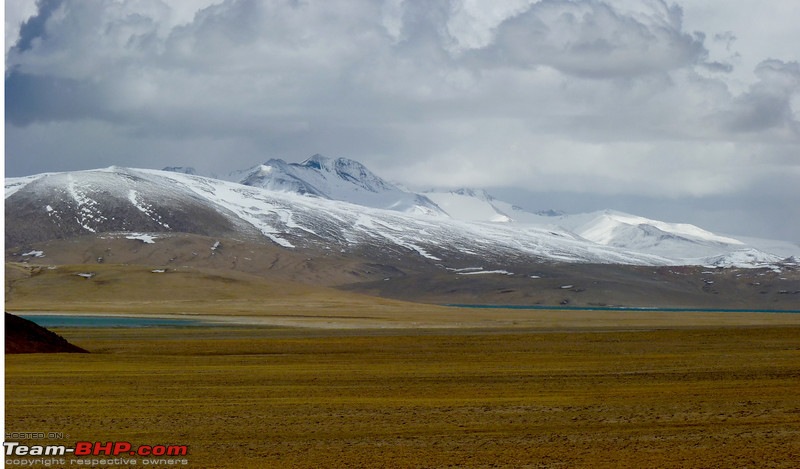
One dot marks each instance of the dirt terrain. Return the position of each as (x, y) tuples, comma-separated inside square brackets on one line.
[(302, 375), (286, 397)]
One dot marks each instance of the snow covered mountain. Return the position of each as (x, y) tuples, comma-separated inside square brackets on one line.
[(682, 242), (340, 206), (177, 222), (349, 181), (335, 179), (612, 228), (114, 200)]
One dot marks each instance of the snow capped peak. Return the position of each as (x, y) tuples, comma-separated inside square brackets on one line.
[(276, 175), (342, 166), (181, 169), (317, 161), (358, 174), (271, 163), (479, 194), (336, 179)]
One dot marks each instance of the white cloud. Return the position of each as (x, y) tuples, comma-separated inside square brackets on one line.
[(596, 40), (472, 24), (643, 97)]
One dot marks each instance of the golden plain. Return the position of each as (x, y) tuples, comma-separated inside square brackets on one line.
[(260, 397)]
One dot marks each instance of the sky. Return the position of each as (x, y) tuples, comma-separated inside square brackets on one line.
[(685, 111)]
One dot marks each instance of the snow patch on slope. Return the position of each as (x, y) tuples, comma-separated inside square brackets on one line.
[(240, 200), (12, 185), (746, 258), (145, 238), (483, 272), (87, 207), (470, 205), (145, 208), (33, 253)]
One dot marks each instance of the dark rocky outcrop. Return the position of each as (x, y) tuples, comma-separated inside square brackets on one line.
[(23, 336)]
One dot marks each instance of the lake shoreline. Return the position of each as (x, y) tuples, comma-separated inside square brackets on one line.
[(458, 318)]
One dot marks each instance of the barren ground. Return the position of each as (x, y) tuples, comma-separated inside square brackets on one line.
[(702, 396), (306, 376)]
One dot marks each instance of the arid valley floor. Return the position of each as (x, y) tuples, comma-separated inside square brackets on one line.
[(571, 393), (298, 376)]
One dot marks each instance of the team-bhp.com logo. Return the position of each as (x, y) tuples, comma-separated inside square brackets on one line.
[(123, 452)]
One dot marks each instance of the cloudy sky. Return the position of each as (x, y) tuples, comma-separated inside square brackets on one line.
[(684, 111)]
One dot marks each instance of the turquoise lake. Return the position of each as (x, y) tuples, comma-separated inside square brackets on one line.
[(64, 320)]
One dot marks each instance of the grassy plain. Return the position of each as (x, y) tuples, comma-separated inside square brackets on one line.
[(260, 397)]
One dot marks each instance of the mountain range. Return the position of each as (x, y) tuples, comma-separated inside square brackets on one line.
[(336, 213)]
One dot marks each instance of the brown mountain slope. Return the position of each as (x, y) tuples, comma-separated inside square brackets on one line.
[(213, 274)]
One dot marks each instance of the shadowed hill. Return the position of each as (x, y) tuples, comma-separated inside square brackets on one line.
[(23, 336)]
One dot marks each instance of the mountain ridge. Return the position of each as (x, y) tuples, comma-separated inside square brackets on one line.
[(122, 199), (311, 210)]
